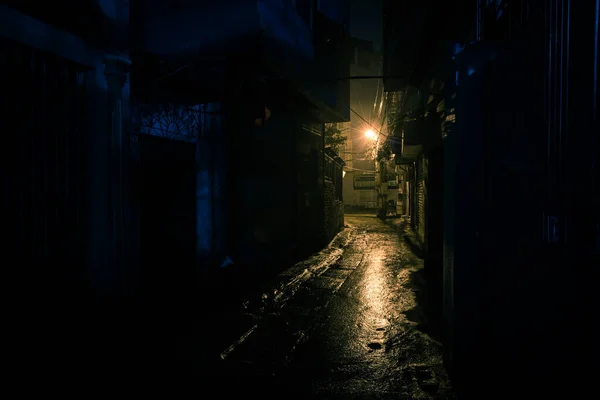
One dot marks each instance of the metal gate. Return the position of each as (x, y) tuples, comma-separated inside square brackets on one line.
[(167, 193), (44, 116), (421, 193)]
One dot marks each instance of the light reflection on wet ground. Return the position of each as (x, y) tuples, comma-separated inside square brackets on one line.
[(344, 332)]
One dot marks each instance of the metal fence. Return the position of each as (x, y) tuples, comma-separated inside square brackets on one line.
[(44, 185)]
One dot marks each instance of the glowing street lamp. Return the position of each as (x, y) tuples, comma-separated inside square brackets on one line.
[(370, 134)]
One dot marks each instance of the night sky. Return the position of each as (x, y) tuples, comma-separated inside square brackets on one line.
[(365, 20)]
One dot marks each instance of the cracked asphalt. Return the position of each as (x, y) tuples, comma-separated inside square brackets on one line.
[(343, 324)]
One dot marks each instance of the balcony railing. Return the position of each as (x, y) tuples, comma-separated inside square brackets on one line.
[(364, 183)]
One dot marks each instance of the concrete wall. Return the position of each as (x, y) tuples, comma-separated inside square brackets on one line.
[(268, 191), (334, 211), (358, 199), (267, 207), (222, 28)]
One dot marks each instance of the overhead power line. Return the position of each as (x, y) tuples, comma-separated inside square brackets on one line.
[(368, 123), (351, 169)]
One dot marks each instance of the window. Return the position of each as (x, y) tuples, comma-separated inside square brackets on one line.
[(364, 182)]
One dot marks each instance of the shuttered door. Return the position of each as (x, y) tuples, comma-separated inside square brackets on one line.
[(421, 193), (44, 113)]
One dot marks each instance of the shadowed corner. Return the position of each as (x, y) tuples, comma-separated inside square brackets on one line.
[(402, 226), (243, 379), (414, 246), (427, 314)]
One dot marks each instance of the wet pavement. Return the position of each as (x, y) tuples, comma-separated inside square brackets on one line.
[(343, 324)]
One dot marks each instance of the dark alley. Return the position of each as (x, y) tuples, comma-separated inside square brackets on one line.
[(307, 199), (347, 323)]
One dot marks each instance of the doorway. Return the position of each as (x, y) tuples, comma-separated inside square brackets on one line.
[(167, 217)]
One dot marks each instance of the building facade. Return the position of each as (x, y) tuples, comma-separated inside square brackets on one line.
[(260, 147), (496, 130), (180, 152), (68, 193), (334, 202)]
